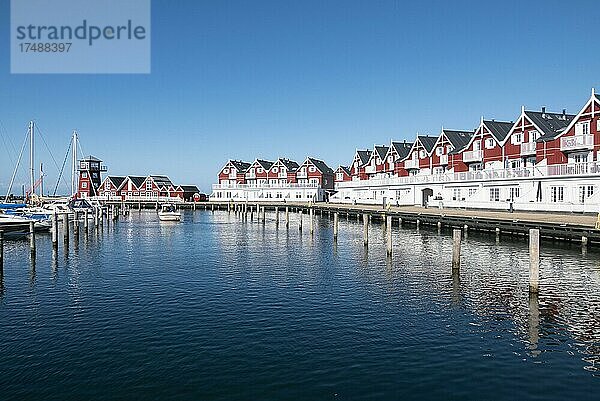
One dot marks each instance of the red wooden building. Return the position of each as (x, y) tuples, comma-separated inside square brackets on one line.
[(375, 166), (357, 169), (394, 159), (484, 147), (233, 171), (447, 142), (317, 172), (342, 173), (257, 172), (283, 171)]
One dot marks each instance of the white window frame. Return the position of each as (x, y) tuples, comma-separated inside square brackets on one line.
[(439, 151), (516, 138), (422, 154), (490, 143)]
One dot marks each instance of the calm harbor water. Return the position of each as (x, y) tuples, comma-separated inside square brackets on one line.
[(215, 308)]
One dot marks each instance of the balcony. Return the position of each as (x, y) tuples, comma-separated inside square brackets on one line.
[(411, 164), (301, 174), (232, 175), (528, 148), (444, 160), (282, 174), (577, 142), (370, 170), (473, 156)]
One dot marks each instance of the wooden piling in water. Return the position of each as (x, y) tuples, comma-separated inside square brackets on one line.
[(534, 260), (32, 237), (366, 229), (1, 253), (96, 217), (54, 231), (335, 225), (85, 221), (456, 240), (287, 217), (76, 225), (276, 216), (66, 228), (389, 235), (300, 216), (312, 223)]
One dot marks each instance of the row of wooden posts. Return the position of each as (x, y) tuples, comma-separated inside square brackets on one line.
[(98, 223), (248, 210), (534, 236)]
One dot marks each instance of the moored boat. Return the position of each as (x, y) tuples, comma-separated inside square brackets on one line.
[(168, 212)]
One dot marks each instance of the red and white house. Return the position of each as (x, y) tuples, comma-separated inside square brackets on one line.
[(394, 159), (541, 161), (282, 180), (359, 162), (233, 171), (483, 149), (375, 166), (258, 172), (283, 171), (342, 173), (523, 143), (447, 142), (149, 188), (110, 187)]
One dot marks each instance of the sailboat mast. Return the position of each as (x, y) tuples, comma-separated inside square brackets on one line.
[(41, 180), (31, 168), (74, 164)]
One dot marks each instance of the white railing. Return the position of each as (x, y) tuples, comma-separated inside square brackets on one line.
[(301, 174), (528, 148), (473, 156), (250, 176), (573, 169), (577, 142), (262, 186), (282, 174), (444, 159), (133, 198), (411, 163), (370, 169), (232, 175)]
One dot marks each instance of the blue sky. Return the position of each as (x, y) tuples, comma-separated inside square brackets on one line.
[(247, 79)]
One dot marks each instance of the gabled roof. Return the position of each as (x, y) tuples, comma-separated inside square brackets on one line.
[(551, 124), (136, 180), (402, 149), (320, 165), (381, 151), (289, 164), (161, 180), (345, 169), (364, 156), (189, 188), (116, 180), (239, 165), (264, 163), (498, 129), (458, 138), (428, 142), (594, 98)]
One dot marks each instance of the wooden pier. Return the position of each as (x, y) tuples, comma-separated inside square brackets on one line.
[(558, 226)]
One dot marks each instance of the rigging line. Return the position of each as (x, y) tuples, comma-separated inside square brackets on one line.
[(62, 168), (16, 168), (51, 155)]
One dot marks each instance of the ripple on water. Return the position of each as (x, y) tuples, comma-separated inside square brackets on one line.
[(215, 308)]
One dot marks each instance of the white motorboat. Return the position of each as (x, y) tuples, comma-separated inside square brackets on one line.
[(14, 226), (168, 212)]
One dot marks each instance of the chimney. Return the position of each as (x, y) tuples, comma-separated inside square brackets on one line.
[(565, 114), (543, 112)]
